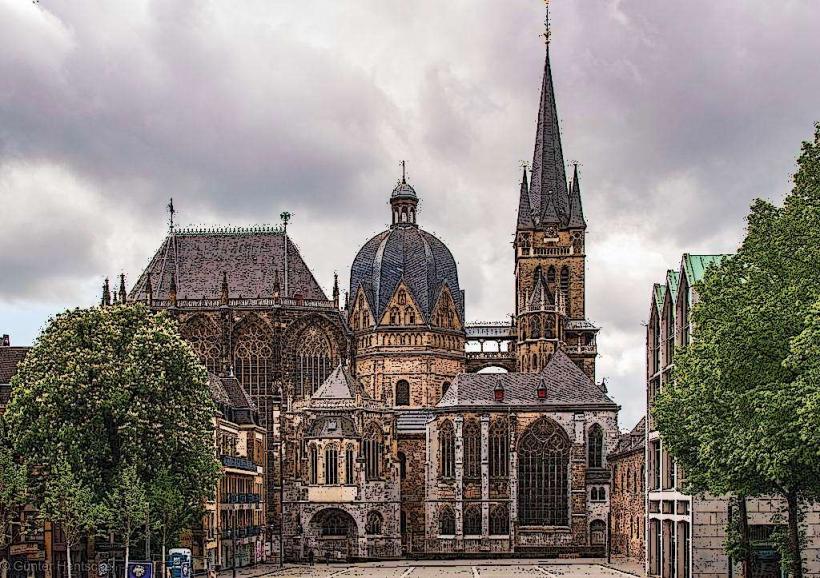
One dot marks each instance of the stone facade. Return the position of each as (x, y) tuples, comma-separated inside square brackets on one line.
[(628, 497)]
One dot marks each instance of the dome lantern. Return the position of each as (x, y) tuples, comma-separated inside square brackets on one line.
[(403, 202)]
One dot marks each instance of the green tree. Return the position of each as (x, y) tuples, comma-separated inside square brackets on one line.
[(127, 507), (112, 388), (13, 494), (69, 502), (171, 514), (741, 413)]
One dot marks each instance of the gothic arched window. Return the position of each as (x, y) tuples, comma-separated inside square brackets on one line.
[(595, 447), (402, 466), (472, 449), (499, 448), (402, 392), (331, 465), (402, 298), (410, 315), (535, 328), (447, 450), (565, 284), (314, 465), (446, 521), (499, 521), (551, 276), (597, 533), (543, 467), (394, 316), (349, 465), (374, 523), (472, 521), (203, 337), (336, 523), (313, 361), (253, 360), (373, 449)]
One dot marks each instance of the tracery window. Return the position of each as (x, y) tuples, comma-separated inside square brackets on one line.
[(472, 449), (595, 447), (447, 450), (402, 392), (349, 465), (551, 276), (499, 521), (472, 521), (253, 360), (394, 316), (203, 337), (331, 465), (373, 448), (535, 328), (410, 315), (499, 448), (313, 361), (402, 298), (446, 521), (314, 465), (374, 523), (543, 462)]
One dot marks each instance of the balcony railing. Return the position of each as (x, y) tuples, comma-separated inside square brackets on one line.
[(234, 498), (238, 463)]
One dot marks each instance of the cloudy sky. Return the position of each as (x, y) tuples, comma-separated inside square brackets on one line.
[(680, 113)]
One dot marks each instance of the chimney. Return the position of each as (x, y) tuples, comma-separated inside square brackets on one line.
[(6, 340)]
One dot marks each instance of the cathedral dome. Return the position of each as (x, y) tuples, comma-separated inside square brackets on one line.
[(405, 253)]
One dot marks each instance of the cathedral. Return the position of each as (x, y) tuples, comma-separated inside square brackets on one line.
[(383, 437)]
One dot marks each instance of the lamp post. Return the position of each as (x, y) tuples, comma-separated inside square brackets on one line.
[(233, 545)]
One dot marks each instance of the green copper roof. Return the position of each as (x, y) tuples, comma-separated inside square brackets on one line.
[(659, 290), (694, 266), (672, 282)]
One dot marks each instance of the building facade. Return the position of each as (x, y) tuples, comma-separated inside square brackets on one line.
[(378, 443), (628, 500), (685, 534)]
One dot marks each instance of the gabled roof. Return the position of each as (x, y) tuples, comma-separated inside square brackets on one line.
[(633, 441), (694, 266), (658, 292), (672, 282), (566, 385), (340, 384), (228, 391), (250, 257)]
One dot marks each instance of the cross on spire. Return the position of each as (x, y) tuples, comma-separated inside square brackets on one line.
[(403, 172), (546, 34), (171, 213)]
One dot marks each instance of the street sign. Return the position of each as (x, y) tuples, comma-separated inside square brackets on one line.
[(140, 569)]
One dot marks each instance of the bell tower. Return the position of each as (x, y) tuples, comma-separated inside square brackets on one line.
[(549, 250)]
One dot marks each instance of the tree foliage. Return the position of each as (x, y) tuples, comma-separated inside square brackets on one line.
[(111, 388), (741, 413), (13, 489)]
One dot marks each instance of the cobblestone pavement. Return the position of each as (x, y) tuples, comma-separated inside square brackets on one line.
[(446, 569)]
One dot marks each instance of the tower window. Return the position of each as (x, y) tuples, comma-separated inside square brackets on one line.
[(551, 275), (402, 392)]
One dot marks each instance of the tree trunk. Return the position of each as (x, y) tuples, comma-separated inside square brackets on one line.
[(744, 536), (127, 553), (164, 540), (794, 535), (68, 556)]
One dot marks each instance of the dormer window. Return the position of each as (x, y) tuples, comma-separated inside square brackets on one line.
[(542, 389), (499, 391)]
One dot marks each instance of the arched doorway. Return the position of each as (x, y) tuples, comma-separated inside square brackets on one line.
[(335, 533)]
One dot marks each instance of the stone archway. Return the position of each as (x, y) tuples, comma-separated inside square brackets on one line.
[(334, 535)]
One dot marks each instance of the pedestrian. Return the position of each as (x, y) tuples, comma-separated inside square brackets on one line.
[(310, 556)]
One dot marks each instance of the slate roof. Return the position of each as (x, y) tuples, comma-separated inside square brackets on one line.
[(252, 258), (332, 427), (340, 384), (405, 253), (10, 357), (412, 421), (566, 385), (631, 442), (228, 391)]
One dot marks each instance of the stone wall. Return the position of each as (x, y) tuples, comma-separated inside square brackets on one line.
[(628, 505)]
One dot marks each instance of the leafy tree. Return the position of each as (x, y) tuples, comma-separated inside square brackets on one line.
[(69, 502), (112, 388), (13, 492), (169, 510), (127, 507), (741, 413)]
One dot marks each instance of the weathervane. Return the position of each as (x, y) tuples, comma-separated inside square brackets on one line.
[(524, 164), (546, 34), (171, 213)]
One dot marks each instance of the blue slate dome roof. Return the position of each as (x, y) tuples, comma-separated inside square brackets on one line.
[(405, 252), (403, 190)]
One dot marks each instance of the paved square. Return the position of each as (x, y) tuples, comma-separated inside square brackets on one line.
[(456, 569)]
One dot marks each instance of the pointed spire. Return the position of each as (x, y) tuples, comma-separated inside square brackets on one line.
[(576, 210), (106, 293), (224, 293), (549, 182), (524, 208), (335, 290), (122, 293)]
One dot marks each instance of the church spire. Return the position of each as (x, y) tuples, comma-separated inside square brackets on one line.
[(549, 181), (576, 210), (524, 208)]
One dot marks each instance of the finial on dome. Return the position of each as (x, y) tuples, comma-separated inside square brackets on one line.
[(403, 172)]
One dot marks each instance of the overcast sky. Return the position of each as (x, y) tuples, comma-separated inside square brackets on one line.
[(680, 113)]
